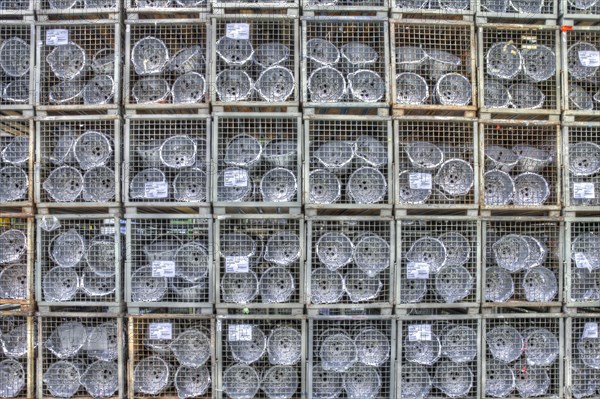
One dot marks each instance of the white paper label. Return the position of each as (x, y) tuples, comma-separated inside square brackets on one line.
[(590, 330), (236, 178), (163, 268), (160, 331), (589, 58), (419, 181), (238, 31), (581, 261), (417, 271), (240, 332), (157, 189), (584, 190), (57, 37), (108, 230), (419, 332), (237, 264)]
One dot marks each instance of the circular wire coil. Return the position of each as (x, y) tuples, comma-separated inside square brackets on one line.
[(500, 379), (587, 245), (281, 153), (455, 380), (580, 98), (60, 284), (161, 248), (455, 177), (453, 283), (505, 343), (589, 352), (538, 252), (14, 244), (280, 382), (239, 287), (16, 91), (574, 65), (188, 291), (322, 52), (503, 60), (361, 287), (367, 185), (495, 94), (531, 189), (371, 151), (582, 5), (99, 90), (241, 190), (453, 89), (151, 376), (16, 151), (238, 244), (189, 185), (372, 347), (410, 58), (540, 285), (583, 286), (66, 91), (92, 149), (411, 89), (282, 248), (241, 381), (15, 342), (278, 185), (191, 348), (149, 56), (542, 347), (531, 381), (67, 249), (145, 287), (271, 54), (410, 195), (142, 183), (275, 84), (362, 382), (188, 59), (243, 151), (500, 158), (98, 185), (412, 290), (415, 381), (356, 55), (326, 85), (337, 352), (366, 86), (95, 286), (102, 341), (101, 379), (426, 353), (67, 61), (192, 262), (372, 255), (527, 6), (459, 343), (336, 155), (276, 285), (67, 339), (13, 282), (150, 90), (103, 61), (284, 346), (499, 285), (458, 248), (526, 96), (441, 62), (324, 187), (539, 63), (428, 250), (188, 88), (334, 250), (234, 52), (192, 382), (13, 377), (424, 155), (14, 57), (532, 159), (63, 147), (178, 152), (326, 286), (62, 378), (233, 85), (149, 153), (511, 252), (326, 384), (499, 188)]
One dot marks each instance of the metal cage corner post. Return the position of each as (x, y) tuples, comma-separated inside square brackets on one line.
[(580, 362), (17, 94), (18, 173), (581, 263), (18, 358)]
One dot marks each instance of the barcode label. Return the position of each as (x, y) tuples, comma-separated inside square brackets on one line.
[(584, 191), (581, 261), (158, 189), (417, 271), (163, 268), (590, 330), (419, 332), (237, 264), (589, 58), (160, 331), (237, 31), (240, 332), (419, 181), (57, 37), (236, 178)]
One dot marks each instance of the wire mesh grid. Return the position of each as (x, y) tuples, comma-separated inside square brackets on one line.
[(345, 61), (78, 260), (537, 9), (261, 261), (78, 161), (520, 165), (581, 172), (80, 356), (440, 152), (152, 7), (255, 4), (16, 161), (580, 9), (261, 357), (439, 357), (79, 64), (257, 158), (17, 355), (582, 258), (167, 160), (338, 7), (255, 59), (16, 261), (169, 261), (17, 51), (171, 356), (582, 355), (166, 63), (351, 358), (522, 262), (434, 64), (15, 9), (581, 71), (523, 356), (437, 260), (71, 7), (519, 68), (350, 262), (441, 8), (348, 162)]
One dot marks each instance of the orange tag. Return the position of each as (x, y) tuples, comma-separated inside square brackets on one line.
[(566, 28)]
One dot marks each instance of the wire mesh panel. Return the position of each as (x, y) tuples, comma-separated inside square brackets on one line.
[(519, 69), (582, 260), (582, 368), (166, 8), (16, 9), (80, 355), (17, 358), (258, 159), (520, 165), (351, 357), (340, 7), (16, 162), (518, 9), (261, 357), (439, 357), (581, 171), (255, 60), (75, 7), (522, 262), (348, 162), (582, 81), (580, 10), (345, 61), (436, 163), (17, 51), (523, 356), (167, 160), (79, 65), (78, 261), (271, 6), (78, 161), (169, 261), (261, 261), (444, 9), (16, 261), (166, 64), (437, 260), (433, 64), (171, 356), (350, 262)]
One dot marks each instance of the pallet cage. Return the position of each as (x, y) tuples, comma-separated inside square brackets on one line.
[(522, 262), (353, 53), (582, 262), (16, 261), (171, 356), (89, 8), (261, 357), (581, 172), (17, 52), (255, 60), (17, 358), (348, 163), (352, 357), (78, 261), (166, 64), (452, 148), (260, 261), (576, 11), (16, 162), (523, 356), (434, 66), (437, 262), (169, 262), (520, 165), (79, 66), (258, 160), (80, 355), (439, 356), (350, 263), (581, 84), (167, 160), (444, 9), (519, 69), (78, 161), (582, 356)]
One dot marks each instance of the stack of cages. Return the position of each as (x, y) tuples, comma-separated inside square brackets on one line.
[(582, 264), (261, 357), (171, 356), (582, 356), (81, 355), (17, 357)]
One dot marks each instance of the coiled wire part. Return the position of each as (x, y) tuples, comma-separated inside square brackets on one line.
[(149, 56), (191, 348), (275, 84), (192, 382), (362, 382), (453, 89), (372, 254), (278, 185), (98, 185), (92, 150), (14, 57), (531, 189), (503, 60), (280, 382), (366, 86), (361, 287), (101, 379), (233, 85), (239, 287), (326, 85), (499, 285), (241, 381), (284, 346), (326, 286), (540, 285), (67, 61), (99, 90), (367, 185), (13, 377), (505, 343), (411, 89), (150, 90), (62, 378), (276, 285), (151, 376), (324, 187), (234, 52)]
